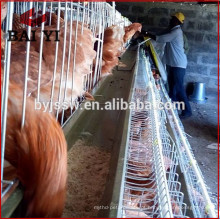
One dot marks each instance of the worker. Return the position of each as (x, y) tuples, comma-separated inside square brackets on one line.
[(175, 60)]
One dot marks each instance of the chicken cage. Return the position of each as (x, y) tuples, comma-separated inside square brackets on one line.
[(151, 159), (51, 72), (59, 60), (151, 186)]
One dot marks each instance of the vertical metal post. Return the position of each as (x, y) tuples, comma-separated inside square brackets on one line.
[(102, 38), (98, 59), (68, 64), (36, 9), (74, 55), (40, 54), (114, 12), (55, 61), (83, 18), (64, 55), (51, 5), (26, 71)]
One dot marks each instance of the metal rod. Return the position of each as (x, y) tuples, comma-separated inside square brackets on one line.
[(74, 53), (83, 18), (10, 183), (51, 5), (68, 63), (40, 54), (36, 9), (55, 61), (64, 55), (98, 60), (143, 42), (114, 12), (26, 71), (102, 40)]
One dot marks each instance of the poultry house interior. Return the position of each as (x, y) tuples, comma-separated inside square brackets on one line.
[(82, 70)]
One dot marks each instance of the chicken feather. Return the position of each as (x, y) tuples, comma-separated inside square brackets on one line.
[(39, 153)]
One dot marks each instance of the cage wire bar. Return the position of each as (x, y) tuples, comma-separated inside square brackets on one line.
[(95, 15), (150, 186), (203, 205)]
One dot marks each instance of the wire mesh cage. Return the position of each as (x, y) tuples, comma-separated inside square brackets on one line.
[(58, 57), (150, 187), (54, 69), (202, 204)]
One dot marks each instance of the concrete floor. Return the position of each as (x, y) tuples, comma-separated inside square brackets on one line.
[(202, 127)]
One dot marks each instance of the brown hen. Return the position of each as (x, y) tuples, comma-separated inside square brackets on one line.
[(113, 42), (38, 151), (73, 81), (131, 30)]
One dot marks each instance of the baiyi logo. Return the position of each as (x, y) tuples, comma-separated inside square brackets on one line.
[(25, 18)]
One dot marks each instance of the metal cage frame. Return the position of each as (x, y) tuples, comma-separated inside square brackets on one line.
[(157, 194), (96, 15)]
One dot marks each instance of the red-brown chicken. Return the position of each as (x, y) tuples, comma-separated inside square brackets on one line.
[(38, 151), (131, 30), (113, 42), (73, 81), (114, 38), (17, 68), (18, 59)]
